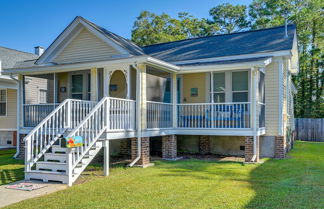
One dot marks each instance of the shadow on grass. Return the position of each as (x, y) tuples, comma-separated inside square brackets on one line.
[(10, 169), (294, 182)]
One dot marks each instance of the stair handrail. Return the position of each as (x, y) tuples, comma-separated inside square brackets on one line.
[(98, 124), (50, 128)]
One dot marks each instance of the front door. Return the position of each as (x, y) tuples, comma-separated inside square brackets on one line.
[(77, 86)]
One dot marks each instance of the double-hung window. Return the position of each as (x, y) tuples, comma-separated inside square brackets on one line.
[(3, 102), (42, 96), (231, 86), (240, 86), (218, 93)]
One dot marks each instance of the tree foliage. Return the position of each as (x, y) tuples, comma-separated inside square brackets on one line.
[(230, 18), (308, 15), (150, 28)]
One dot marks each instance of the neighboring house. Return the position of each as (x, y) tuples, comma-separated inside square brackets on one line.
[(225, 94), (8, 95)]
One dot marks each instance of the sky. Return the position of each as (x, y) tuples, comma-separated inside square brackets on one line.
[(29, 23)]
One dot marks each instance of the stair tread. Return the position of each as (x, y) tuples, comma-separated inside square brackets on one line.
[(47, 172), (50, 162)]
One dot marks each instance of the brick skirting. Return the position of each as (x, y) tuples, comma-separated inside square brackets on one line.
[(249, 149), (145, 151), (280, 147), (21, 154), (125, 147), (169, 147), (204, 144)]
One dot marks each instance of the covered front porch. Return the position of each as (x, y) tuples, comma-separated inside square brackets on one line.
[(228, 102)]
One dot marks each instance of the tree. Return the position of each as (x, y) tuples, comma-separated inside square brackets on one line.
[(308, 16), (150, 28), (230, 18)]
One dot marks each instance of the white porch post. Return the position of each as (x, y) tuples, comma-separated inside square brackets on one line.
[(55, 89), (20, 101), (128, 83), (106, 157), (94, 84), (174, 100)]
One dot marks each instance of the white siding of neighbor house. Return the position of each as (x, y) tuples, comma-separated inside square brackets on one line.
[(9, 121), (272, 98), (86, 47)]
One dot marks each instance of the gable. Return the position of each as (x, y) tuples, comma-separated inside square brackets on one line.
[(85, 47)]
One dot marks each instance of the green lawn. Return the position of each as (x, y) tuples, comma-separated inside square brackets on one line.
[(296, 182), (10, 169)]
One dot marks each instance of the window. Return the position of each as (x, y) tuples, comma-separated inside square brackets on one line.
[(42, 96), (240, 89), (77, 86), (218, 93), (3, 102)]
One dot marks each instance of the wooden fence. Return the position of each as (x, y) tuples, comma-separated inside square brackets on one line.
[(310, 129)]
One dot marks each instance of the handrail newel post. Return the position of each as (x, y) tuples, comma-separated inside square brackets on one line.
[(69, 168)]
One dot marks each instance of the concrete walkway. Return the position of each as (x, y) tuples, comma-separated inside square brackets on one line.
[(10, 196)]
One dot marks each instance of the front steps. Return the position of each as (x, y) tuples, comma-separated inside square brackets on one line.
[(53, 167)]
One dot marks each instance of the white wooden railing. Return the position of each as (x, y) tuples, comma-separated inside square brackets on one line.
[(214, 115), (122, 114), (159, 115), (91, 128), (35, 113), (45, 134)]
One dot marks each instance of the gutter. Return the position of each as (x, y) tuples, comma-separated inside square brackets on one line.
[(139, 115)]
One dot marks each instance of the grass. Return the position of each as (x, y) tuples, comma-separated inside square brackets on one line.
[(295, 182), (10, 169)]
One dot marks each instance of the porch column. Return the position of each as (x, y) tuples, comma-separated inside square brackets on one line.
[(94, 84), (128, 83), (143, 104), (174, 100), (106, 157), (20, 101), (55, 88)]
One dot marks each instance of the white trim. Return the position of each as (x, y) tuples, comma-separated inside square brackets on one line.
[(215, 67), (280, 97), (235, 57), (8, 129), (73, 67), (58, 52), (6, 115), (53, 51)]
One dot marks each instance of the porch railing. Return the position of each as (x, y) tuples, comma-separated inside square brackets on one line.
[(47, 132), (214, 115), (122, 114), (159, 115), (35, 113)]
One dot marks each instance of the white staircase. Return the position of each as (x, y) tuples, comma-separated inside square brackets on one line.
[(54, 162), (43, 151)]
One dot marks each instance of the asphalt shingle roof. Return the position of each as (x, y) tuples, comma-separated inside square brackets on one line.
[(248, 42), (9, 57)]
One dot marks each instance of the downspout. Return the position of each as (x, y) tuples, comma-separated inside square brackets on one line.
[(18, 118), (138, 114)]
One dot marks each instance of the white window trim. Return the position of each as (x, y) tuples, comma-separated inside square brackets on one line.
[(228, 85), (39, 96), (4, 116), (85, 74)]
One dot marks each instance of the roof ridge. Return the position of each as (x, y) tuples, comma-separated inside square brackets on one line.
[(18, 50), (217, 35)]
